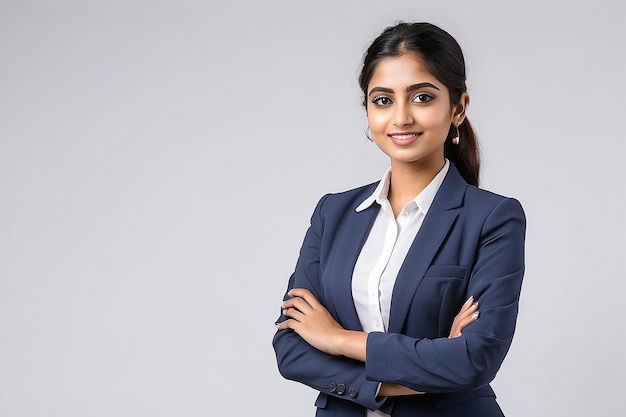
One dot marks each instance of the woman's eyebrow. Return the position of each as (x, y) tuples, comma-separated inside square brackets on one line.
[(383, 89), (409, 88), (422, 85)]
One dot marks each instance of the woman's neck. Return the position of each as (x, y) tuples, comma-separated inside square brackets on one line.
[(408, 180)]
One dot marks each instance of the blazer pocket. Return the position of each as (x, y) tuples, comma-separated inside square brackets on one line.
[(446, 271)]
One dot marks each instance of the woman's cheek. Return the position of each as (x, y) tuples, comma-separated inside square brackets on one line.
[(377, 124), (433, 118)]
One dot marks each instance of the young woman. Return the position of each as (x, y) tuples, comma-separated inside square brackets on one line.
[(369, 315)]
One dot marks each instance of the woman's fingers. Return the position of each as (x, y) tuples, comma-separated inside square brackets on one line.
[(297, 303), (463, 323), (307, 296), (294, 313), (469, 308), (467, 305), (468, 314), (298, 308), (288, 324), (311, 320)]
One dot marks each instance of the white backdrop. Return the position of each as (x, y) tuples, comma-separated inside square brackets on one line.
[(159, 162)]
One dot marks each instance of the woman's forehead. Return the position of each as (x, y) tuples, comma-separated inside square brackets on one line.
[(404, 70)]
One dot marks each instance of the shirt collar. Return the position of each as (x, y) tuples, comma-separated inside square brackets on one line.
[(423, 200)]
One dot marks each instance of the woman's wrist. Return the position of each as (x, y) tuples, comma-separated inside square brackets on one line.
[(395, 390), (351, 344)]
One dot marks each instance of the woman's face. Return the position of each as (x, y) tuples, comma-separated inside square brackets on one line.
[(409, 111)]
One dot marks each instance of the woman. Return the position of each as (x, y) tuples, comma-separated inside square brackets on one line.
[(369, 316)]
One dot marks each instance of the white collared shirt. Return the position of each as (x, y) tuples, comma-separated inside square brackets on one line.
[(384, 251)]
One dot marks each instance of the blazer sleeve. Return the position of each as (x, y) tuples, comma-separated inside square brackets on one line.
[(471, 360), (297, 360)]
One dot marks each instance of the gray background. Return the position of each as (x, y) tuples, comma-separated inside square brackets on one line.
[(159, 162)]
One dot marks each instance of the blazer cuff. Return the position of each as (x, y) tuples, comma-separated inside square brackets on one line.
[(363, 392), (376, 358)]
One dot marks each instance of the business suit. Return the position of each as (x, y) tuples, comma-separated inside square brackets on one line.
[(470, 243)]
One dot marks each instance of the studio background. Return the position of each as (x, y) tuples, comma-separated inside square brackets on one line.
[(159, 162)]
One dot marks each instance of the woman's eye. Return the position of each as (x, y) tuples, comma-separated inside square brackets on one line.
[(422, 98), (382, 101)]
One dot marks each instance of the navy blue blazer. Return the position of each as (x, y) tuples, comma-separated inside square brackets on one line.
[(470, 243)]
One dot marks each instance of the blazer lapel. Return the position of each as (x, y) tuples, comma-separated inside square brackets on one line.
[(436, 225), (358, 225)]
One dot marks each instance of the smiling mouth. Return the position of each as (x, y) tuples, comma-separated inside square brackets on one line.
[(404, 136)]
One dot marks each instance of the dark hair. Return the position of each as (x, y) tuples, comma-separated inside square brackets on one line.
[(442, 56)]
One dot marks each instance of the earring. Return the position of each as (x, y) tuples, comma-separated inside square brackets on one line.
[(455, 135), (368, 134)]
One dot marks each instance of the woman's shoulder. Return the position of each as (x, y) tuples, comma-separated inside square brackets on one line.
[(366, 190), (482, 194), (481, 199)]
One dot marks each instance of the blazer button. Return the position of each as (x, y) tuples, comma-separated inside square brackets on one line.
[(352, 392), (332, 387), (341, 388)]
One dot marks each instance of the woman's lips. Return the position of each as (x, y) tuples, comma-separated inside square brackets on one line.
[(404, 138)]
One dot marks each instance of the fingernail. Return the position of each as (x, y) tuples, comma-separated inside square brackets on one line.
[(475, 315), (469, 299)]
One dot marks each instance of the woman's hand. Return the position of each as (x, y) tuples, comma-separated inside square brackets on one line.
[(312, 321), (467, 315)]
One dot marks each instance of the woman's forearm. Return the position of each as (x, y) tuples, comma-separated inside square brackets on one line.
[(351, 344)]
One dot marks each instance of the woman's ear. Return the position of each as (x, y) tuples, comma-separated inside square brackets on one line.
[(458, 112)]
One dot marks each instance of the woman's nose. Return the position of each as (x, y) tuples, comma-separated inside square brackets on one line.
[(402, 116)]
